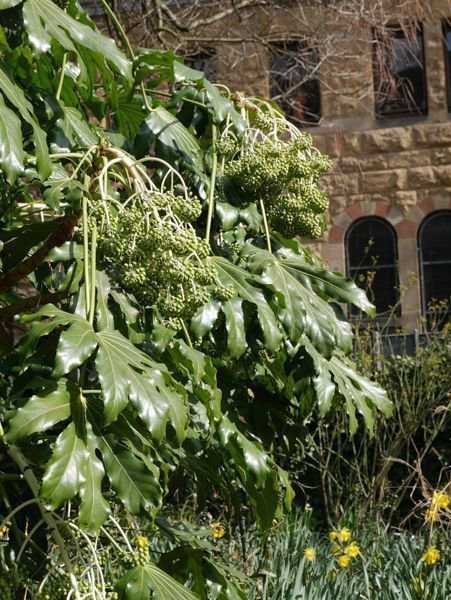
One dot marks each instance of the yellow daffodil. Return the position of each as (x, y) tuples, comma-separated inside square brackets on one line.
[(217, 531), (352, 550), (440, 500), (310, 554), (333, 535), (431, 556), (344, 535), (343, 561)]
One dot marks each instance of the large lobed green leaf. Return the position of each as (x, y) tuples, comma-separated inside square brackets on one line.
[(125, 373)]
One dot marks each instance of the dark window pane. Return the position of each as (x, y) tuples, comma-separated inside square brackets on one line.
[(205, 61), (436, 238), (295, 83), (371, 242), (437, 282), (372, 256), (399, 77), (447, 34), (435, 256), (381, 286)]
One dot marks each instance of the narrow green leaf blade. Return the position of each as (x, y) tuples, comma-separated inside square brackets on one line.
[(94, 509), (11, 143)]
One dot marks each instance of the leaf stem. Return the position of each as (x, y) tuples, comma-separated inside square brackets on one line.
[(211, 194), (92, 302), (86, 255), (265, 225), (63, 73)]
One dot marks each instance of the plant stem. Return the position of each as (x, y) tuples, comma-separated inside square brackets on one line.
[(265, 225), (211, 195), (61, 81), (186, 332), (86, 255), (92, 303)]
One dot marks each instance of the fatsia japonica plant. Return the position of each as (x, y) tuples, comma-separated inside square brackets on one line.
[(158, 313)]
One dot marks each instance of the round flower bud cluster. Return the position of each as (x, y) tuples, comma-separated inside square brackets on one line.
[(285, 176), (142, 554), (151, 250)]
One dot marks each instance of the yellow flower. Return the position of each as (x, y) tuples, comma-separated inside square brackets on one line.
[(440, 500), (431, 515), (431, 556), (333, 535), (310, 554), (352, 550), (343, 561), (344, 535), (4, 531), (217, 531)]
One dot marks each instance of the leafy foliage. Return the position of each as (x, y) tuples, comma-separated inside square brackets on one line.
[(142, 313)]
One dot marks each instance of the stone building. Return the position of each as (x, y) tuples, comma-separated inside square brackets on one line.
[(381, 112)]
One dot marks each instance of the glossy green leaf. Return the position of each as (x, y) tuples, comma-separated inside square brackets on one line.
[(299, 308), (331, 285), (44, 21), (174, 136), (127, 373), (104, 317), (148, 581), (243, 283), (76, 128), (134, 483), (41, 412), (4, 4), (94, 509), (338, 375), (75, 346), (17, 98), (64, 473), (11, 143), (257, 473), (205, 318), (236, 331)]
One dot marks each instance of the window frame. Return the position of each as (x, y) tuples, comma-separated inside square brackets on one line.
[(276, 45), (418, 112), (422, 263), (354, 313), (446, 27)]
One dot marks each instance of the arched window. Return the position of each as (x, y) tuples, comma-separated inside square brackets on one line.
[(434, 240), (371, 255)]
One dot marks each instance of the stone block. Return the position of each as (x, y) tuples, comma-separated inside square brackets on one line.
[(420, 177), (443, 175), (387, 140), (341, 184), (380, 181), (407, 160), (432, 135)]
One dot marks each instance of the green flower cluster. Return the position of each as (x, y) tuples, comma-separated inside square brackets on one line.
[(151, 250), (285, 175)]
